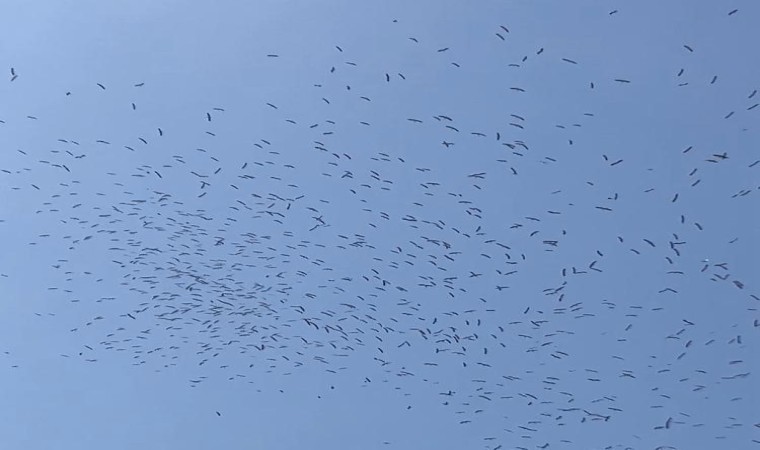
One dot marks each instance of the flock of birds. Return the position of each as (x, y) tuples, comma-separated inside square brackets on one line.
[(431, 244)]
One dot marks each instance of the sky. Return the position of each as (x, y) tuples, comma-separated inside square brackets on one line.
[(379, 225)]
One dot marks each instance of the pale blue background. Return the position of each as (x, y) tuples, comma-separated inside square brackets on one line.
[(77, 373)]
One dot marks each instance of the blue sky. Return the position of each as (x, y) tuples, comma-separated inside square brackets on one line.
[(443, 225)]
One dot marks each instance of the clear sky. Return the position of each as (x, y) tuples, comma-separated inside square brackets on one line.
[(379, 225)]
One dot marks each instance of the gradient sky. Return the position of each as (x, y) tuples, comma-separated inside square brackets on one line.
[(379, 225)]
